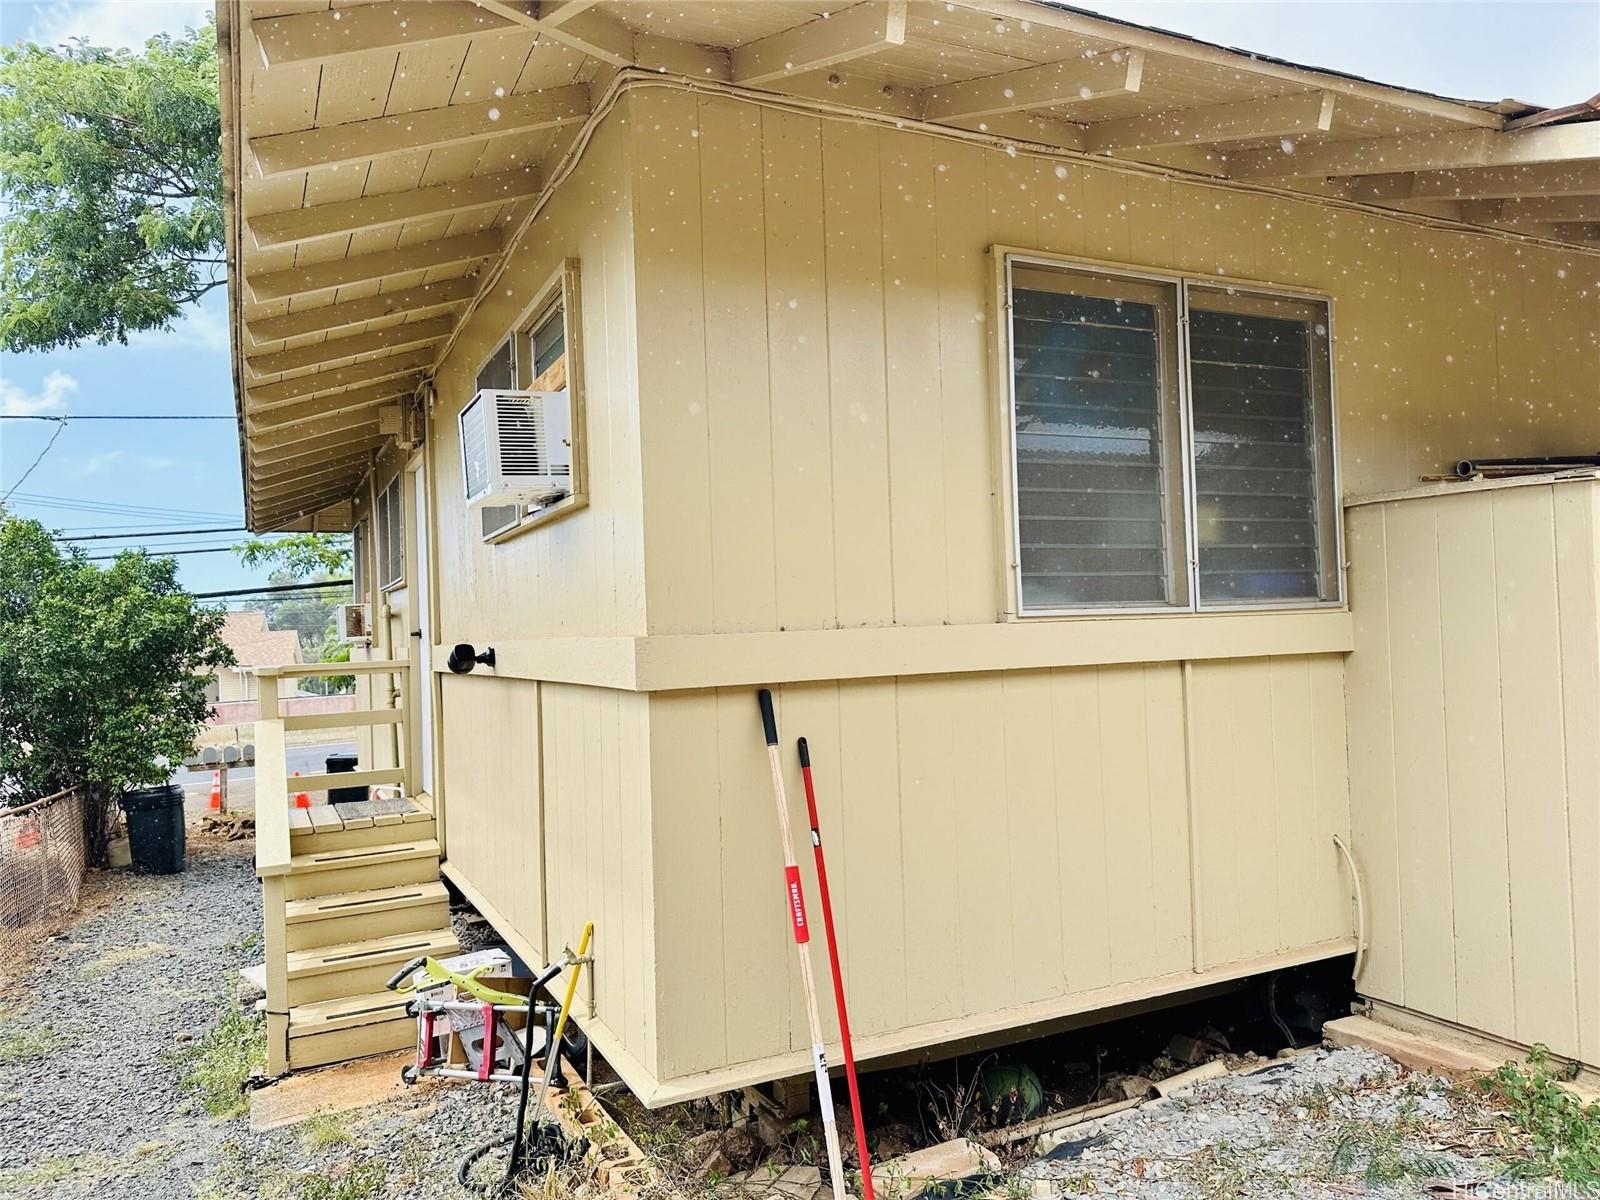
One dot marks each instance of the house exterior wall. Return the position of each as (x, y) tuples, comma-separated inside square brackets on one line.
[(818, 408), (542, 784), (792, 422), (1475, 767)]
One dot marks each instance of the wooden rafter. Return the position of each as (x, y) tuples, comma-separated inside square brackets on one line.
[(300, 507), (416, 300), (1422, 152), (287, 480), (450, 125), (341, 218), (363, 268), (262, 418), (314, 432), (318, 354), (1536, 208), (1483, 183), (362, 438), (1110, 73), (597, 34), (1247, 120), (303, 387), (331, 33), (850, 33)]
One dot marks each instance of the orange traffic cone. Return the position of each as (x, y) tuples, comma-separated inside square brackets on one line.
[(215, 803), (301, 800)]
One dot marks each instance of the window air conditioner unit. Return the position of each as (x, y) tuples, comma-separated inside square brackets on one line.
[(516, 447), (355, 623)]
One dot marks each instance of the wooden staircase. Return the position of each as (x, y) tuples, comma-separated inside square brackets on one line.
[(351, 892)]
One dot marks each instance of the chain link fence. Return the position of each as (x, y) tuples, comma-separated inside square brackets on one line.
[(41, 869)]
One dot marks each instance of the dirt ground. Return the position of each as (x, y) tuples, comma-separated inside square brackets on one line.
[(123, 1045)]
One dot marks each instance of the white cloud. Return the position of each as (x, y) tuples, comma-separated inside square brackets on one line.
[(113, 23), (50, 398), (96, 463)]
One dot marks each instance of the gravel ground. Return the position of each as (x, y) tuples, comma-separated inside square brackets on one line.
[(1326, 1125), (92, 1100)]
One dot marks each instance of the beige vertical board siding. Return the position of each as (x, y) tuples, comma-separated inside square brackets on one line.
[(1474, 783), (583, 573), (987, 947), (1034, 910), (1329, 888), (1579, 599), (930, 808), (1375, 843), (494, 776), (1499, 820), (1085, 754), (1536, 800), (1129, 831), (975, 552), (598, 862), (915, 420), (691, 968), (744, 583), (858, 416), (1418, 699)]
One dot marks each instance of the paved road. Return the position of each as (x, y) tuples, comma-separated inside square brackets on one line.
[(308, 760)]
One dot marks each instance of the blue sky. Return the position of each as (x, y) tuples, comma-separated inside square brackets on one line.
[(1545, 53)]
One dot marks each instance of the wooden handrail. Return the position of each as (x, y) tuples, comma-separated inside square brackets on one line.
[(39, 803), (382, 666), (272, 797)]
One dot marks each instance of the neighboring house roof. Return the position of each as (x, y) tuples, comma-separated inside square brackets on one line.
[(254, 645), (319, 353)]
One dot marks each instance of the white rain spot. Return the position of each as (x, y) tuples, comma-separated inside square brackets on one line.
[(1116, 56), (1085, 91), (1061, 196), (1561, 272), (1011, 151), (793, 302), (494, 114), (1286, 145), (1061, 172), (337, 15), (983, 126), (1009, 94), (788, 66), (694, 408), (1449, 358), (500, 93), (1322, 330)]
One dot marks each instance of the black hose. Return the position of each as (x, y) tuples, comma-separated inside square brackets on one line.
[(513, 1139)]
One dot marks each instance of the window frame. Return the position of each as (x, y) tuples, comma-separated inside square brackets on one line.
[(559, 291), (385, 524), (1005, 259)]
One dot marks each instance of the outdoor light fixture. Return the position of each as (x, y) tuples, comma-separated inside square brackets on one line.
[(465, 656)]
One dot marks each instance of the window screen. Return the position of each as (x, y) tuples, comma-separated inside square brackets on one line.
[(358, 562), (391, 536), (549, 342), (1098, 471), (1263, 461), (1135, 492), (500, 374)]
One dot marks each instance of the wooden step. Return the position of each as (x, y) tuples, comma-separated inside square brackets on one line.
[(331, 1031), (352, 916), (362, 868), (367, 823), (359, 968)]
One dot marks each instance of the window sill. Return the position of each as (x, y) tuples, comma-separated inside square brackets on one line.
[(555, 512)]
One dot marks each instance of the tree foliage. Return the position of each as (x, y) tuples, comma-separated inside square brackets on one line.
[(299, 555), (112, 184), (102, 671)]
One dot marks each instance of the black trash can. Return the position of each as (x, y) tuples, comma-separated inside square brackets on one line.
[(338, 764), (155, 828)]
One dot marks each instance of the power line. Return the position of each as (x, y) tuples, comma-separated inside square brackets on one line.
[(309, 588), (115, 417), (158, 552), (60, 429), (101, 537), (151, 513)]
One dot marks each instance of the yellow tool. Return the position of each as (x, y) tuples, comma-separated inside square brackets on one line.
[(404, 981)]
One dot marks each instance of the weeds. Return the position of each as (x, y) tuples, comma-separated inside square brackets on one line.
[(24, 1043), (230, 1052), (323, 1131), (1378, 1153), (363, 1181), (1564, 1134)]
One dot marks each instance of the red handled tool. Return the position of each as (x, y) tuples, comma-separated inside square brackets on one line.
[(802, 940), (838, 977)]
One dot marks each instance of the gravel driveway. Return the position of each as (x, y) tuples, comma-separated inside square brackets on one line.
[(92, 1063)]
